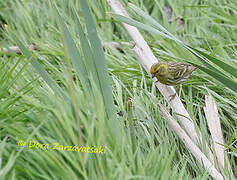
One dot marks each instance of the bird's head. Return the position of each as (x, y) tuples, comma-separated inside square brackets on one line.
[(159, 69)]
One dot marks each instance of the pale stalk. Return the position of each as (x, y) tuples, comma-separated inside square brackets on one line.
[(213, 122), (191, 146), (147, 59)]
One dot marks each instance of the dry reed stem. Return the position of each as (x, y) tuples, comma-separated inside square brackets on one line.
[(147, 59), (213, 121), (192, 147)]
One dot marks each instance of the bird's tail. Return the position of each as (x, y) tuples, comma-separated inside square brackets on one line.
[(202, 65)]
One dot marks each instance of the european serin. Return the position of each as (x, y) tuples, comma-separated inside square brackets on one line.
[(171, 73)]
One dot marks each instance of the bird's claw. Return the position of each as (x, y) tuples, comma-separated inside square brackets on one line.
[(172, 97)]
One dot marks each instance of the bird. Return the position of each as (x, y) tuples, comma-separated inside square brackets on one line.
[(171, 73)]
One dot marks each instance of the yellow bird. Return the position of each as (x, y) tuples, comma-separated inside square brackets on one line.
[(171, 73)]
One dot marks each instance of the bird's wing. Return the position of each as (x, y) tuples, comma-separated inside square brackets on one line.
[(177, 70)]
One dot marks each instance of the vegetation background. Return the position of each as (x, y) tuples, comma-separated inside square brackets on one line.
[(46, 95)]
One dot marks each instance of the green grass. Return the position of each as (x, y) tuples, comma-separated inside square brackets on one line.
[(139, 142)]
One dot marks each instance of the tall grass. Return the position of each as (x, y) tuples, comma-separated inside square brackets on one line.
[(141, 145)]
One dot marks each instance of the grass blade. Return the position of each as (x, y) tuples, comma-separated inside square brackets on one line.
[(139, 25), (86, 50), (154, 22), (44, 74), (223, 79), (74, 54), (221, 64), (100, 62)]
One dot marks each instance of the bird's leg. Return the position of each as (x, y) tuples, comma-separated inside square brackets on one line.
[(179, 89), (172, 97)]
